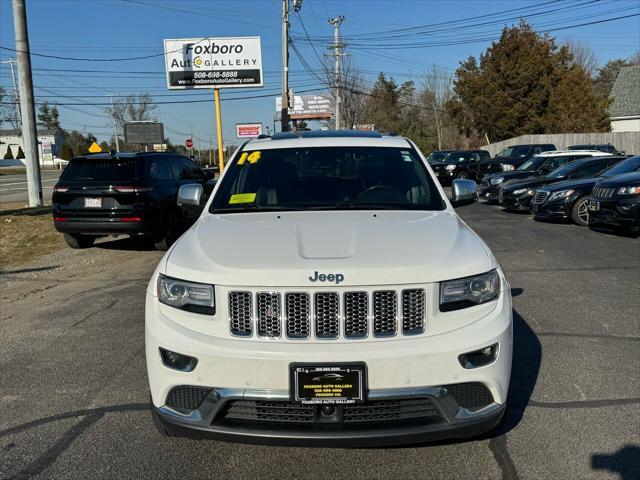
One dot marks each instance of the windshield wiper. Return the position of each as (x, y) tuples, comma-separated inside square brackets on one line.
[(358, 206), (258, 208)]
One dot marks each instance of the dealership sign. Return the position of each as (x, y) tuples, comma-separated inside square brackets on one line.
[(248, 130), (213, 62), (309, 106)]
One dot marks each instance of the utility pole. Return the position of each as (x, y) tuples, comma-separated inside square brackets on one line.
[(284, 108), (27, 104), (337, 46), (113, 119), (16, 95)]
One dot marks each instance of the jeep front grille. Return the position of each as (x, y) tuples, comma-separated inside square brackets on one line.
[(240, 313), (328, 315), (603, 192), (298, 313)]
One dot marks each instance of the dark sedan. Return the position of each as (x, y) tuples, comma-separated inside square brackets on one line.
[(569, 199), (462, 164), (615, 202), (536, 166), (517, 194)]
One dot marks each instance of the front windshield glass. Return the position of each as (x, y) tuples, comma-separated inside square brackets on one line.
[(532, 164), (455, 157), (514, 152), (326, 178), (436, 157), (626, 166), (563, 171)]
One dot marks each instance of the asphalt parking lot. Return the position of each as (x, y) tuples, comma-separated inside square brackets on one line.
[(74, 395)]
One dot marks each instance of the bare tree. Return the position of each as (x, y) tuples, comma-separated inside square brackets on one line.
[(582, 56), (132, 108), (9, 109), (351, 100)]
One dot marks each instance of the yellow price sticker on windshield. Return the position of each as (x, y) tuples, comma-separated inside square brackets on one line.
[(251, 157), (242, 198)]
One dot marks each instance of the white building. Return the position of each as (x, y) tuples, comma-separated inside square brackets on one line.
[(49, 145), (625, 109)]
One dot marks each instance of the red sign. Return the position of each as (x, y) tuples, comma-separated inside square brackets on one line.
[(188, 143), (248, 130)]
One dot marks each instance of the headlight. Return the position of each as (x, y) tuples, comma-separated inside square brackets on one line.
[(629, 190), (560, 194), (507, 168), (469, 291), (450, 167), (497, 180), (520, 191), (193, 297)]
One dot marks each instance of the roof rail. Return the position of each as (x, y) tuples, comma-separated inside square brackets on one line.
[(326, 134)]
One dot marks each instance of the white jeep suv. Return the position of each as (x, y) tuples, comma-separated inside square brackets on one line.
[(328, 294)]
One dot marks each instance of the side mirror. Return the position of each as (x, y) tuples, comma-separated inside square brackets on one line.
[(190, 194), (463, 192)]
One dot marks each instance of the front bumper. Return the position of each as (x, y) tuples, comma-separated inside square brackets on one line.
[(448, 420), (512, 202), (415, 367), (488, 192), (560, 209), (616, 213)]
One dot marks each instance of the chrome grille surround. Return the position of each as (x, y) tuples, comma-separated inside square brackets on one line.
[(268, 312), (540, 196), (298, 310), (356, 314), (327, 315), (385, 309), (413, 311), (240, 313)]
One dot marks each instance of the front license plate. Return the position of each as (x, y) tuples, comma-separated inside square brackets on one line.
[(594, 206), (93, 202), (327, 383)]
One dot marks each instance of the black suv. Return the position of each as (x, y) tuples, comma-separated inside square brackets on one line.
[(438, 155), (534, 167), (615, 202), (601, 147), (124, 193), (569, 199), (459, 164), (517, 194), (512, 157)]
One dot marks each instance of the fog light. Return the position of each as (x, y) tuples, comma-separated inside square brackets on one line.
[(479, 358), (177, 361)]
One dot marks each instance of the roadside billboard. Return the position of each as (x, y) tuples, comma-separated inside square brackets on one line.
[(248, 130), (213, 62), (146, 133), (309, 106)]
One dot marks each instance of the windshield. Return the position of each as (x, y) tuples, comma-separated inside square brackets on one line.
[(532, 164), (626, 166), (101, 170), (514, 152), (455, 157), (436, 157), (563, 171), (327, 178)]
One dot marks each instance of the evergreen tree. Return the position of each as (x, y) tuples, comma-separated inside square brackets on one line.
[(48, 117), (9, 154), (20, 153), (65, 152)]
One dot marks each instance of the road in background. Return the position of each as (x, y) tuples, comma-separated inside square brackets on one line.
[(74, 396), (13, 188)]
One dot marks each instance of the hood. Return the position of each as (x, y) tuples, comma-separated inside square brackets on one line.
[(368, 248), (513, 175), (528, 183), (625, 180), (582, 184)]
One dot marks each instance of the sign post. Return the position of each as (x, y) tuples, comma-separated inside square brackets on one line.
[(214, 63)]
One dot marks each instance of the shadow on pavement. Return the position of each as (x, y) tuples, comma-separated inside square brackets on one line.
[(27, 270), (624, 461), (137, 244)]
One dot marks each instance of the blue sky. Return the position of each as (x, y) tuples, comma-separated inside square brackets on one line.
[(108, 29)]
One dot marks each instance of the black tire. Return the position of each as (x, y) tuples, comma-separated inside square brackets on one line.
[(580, 212), (79, 241), (171, 233)]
